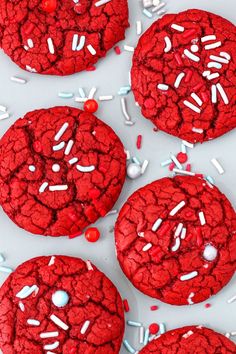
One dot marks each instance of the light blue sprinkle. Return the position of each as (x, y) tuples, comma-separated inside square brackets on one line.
[(166, 163), (146, 336), (81, 92), (136, 160), (162, 328), (134, 324), (65, 94), (147, 13), (6, 270), (129, 347), (210, 179)]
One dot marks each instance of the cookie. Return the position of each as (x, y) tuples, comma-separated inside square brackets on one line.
[(60, 170), (190, 339), (183, 75), (60, 37), (60, 304), (176, 240)]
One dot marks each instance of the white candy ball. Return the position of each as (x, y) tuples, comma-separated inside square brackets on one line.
[(55, 167), (32, 168), (133, 170), (60, 298), (156, 2), (210, 253), (194, 48)]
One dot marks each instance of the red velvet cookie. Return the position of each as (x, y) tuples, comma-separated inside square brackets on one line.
[(60, 170), (190, 339), (60, 304), (176, 240), (183, 75), (60, 37)]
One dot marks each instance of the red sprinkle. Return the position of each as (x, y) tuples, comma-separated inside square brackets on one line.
[(164, 229), (199, 175), (77, 234), (207, 306), (197, 87), (126, 305), (178, 58), (188, 76), (94, 193), (37, 146), (91, 68), (199, 236), (182, 157), (154, 308), (189, 33), (171, 166), (117, 50), (188, 167), (204, 96), (154, 328), (29, 28), (139, 142)]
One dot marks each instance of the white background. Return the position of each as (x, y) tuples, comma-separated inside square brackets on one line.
[(112, 72)]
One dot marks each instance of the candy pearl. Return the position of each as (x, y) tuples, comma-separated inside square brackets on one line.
[(194, 48), (55, 167), (60, 298), (133, 170), (32, 168), (210, 253)]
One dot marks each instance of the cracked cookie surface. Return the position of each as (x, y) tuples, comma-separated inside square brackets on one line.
[(190, 339), (176, 240), (67, 40), (90, 321), (60, 170), (183, 75)]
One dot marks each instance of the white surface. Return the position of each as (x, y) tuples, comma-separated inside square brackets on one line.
[(112, 72)]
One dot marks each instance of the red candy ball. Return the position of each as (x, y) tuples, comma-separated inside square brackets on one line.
[(92, 234), (182, 157), (49, 5), (91, 106), (154, 328), (37, 146)]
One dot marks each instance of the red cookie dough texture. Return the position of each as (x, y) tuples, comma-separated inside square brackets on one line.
[(190, 339), (176, 240), (91, 320), (60, 170), (61, 42), (183, 75)]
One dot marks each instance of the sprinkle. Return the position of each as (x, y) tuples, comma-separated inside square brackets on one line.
[(219, 59), (196, 98), (81, 92), (146, 336), (72, 161), (177, 27), (61, 131), (18, 80), (160, 6), (176, 245), (147, 247), (49, 334), (50, 45), (217, 165), (136, 160), (126, 305), (225, 55), (202, 218), (147, 13), (213, 45), (4, 116), (147, 3), (3, 108), (85, 327), (178, 80), (210, 180), (81, 43), (58, 322), (213, 76), (117, 50), (51, 346), (65, 94), (62, 187), (2, 259), (176, 161), (101, 2), (213, 94), (188, 334), (162, 328), (52, 260), (138, 27), (139, 142), (69, 147), (166, 163), (177, 208), (183, 172), (189, 276), (208, 38), (214, 64), (105, 98), (232, 299), (59, 146), (178, 229), (189, 33), (128, 347), (75, 41), (191, 56), (192, 106), (6, 270), (134, 324), (92, 92), (33, 322), (183, 149), (222, 93), (160, 13), (154, 308), (91, 49), (163, 87), (183, 233), (81, 99), (178, 58), (85, 168), (156, 224), (128, 48), (124, 109), (43, 187), (141, 335), (189, 145), (190, 301), (27, 291), (144, 166), (197, 130), (168, 44), (233, 333), (21, 306)]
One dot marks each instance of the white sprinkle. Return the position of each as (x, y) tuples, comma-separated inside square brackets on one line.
[(177, 208), (183, 149), (183, 233), (72, 161), (141, 234), (197, 130), (33, 322), (176, 161), (147, 247), (50, 46), (81, 92), (3, 108), (178, 80), (91, 49), (2, 259), (196, 99), (138, 27), (141, 335), (51, 346), (192, 106), (162, 328), (222, 93), (233, 333), (30, 43), (189, 145), (168, 44), (43, 187), (206, 73), (146, 336), (59, 322), (183, 172), (75, 41), (89, 265), (4, 116), (191, 56), (176, 245), (128, 48), (62, 187), (85, 168), (92, 92), (49, 334), (188, 334), (166, 163), (156, 224), (81, 43), (69, 147), (178, 229), (225, 55), (81, 99), (147, 3), (6, 270), (27, 291), (177, 27), (208, 38), (105, 98), (56, 167), (219, 59), (190, 301), (61, 131), (32, 168), (163, 87), (101, 2), (112, 212), (218, 166), (30, 69), (213, 45), (144, 166), (124, 109), (189, 276), (85, 327), (213, 94), (202, 218), (213, 76), (52, 260), (232, 299), (18, 80), (21, 306), (59, 146), (214, 64), (147, 13)]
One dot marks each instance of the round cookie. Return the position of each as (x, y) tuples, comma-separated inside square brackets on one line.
[(60, 37), (183, 75), (60, 170), (176, 240), (90, 321), (190, 339)]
